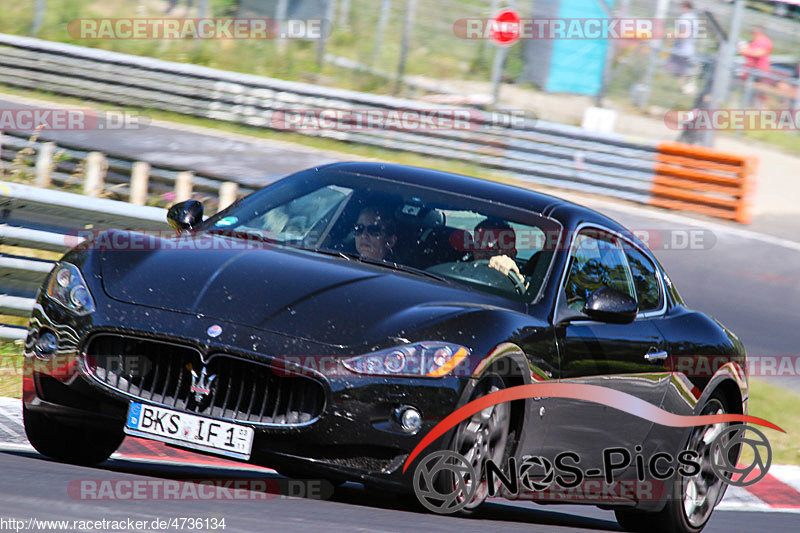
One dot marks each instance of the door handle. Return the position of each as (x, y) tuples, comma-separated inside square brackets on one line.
[(656, 356)]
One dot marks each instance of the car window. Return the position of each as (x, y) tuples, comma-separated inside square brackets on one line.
[(295, 219), (528, 240), (473, 239), (596, 260), (645, 280), (487, 246)]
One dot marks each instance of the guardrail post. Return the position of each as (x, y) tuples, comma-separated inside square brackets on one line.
[(44, 161), (227, 194), (140, 175), (183, 186), (95, 174)]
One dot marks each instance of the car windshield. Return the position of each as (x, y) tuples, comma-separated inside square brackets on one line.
[(459, 239)]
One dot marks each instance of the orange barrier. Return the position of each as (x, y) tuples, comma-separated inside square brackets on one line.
[(703, 180)]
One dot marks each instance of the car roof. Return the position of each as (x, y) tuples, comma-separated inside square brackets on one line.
[(568, 213)]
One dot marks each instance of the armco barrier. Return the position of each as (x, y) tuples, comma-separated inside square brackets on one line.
[(530, 150), (706, 181), (47, 220)]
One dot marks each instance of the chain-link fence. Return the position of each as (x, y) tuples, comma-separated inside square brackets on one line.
[(413, 47)]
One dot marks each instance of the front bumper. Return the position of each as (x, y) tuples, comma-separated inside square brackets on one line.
[(355, 436)]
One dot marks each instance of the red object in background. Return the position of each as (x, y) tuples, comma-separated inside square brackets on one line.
[(760, 43), (505, 28)]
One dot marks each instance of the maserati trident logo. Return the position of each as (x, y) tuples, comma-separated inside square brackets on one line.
[(201, 384), (214, 331)]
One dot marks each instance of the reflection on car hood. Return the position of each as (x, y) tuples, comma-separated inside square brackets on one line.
[(300, 293)]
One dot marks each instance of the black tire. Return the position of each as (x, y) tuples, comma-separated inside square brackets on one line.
[(498, 445), (673, 517), (68, 443)]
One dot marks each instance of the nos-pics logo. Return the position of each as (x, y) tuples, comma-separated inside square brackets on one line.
[(446, 482)]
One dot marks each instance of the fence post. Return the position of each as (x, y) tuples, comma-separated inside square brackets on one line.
[(95, 174), (140, 175), (39, 8), (411, 6), (44, 161), (183, 186), (383, 21), (280, 25), (327, 28), (227, 194), (344, 13)]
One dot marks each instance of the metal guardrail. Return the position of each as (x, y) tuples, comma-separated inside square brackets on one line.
[(532, 150), (48, 220), (756, 83)]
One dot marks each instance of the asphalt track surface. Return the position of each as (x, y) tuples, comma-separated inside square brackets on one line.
[(748, 281), (33, 486)]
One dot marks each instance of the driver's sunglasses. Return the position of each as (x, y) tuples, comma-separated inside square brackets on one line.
[(374, 230)]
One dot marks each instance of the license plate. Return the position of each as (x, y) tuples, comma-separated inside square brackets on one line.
[(191, 431)]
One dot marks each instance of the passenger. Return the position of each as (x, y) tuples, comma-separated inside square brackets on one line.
[(375, 233)]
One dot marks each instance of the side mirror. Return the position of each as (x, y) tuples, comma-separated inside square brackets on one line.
[(610, 305), (185, 215)]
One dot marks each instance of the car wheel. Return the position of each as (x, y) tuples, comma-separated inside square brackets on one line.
[(67, 443), (485, 435), (693, 497)]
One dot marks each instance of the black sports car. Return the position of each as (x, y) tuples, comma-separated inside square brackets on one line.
[(325, 323)]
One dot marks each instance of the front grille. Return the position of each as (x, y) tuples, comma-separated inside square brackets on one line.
[(225, 386)]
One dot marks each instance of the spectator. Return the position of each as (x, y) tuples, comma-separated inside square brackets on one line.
[(682, 59), (756, 55), (757, 51)]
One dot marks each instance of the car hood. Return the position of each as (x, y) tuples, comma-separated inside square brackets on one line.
[(323, 299)]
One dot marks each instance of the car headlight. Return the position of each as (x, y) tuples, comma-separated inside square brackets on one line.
[(421, 359), (67, 287)]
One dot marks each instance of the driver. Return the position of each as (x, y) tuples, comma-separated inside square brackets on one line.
[(375, 233), (496, 241)]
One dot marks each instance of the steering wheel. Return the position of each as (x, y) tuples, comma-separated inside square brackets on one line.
[(519, 284)]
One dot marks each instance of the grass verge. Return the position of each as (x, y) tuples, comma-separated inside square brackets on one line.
[(10, 369), (779, 406)]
